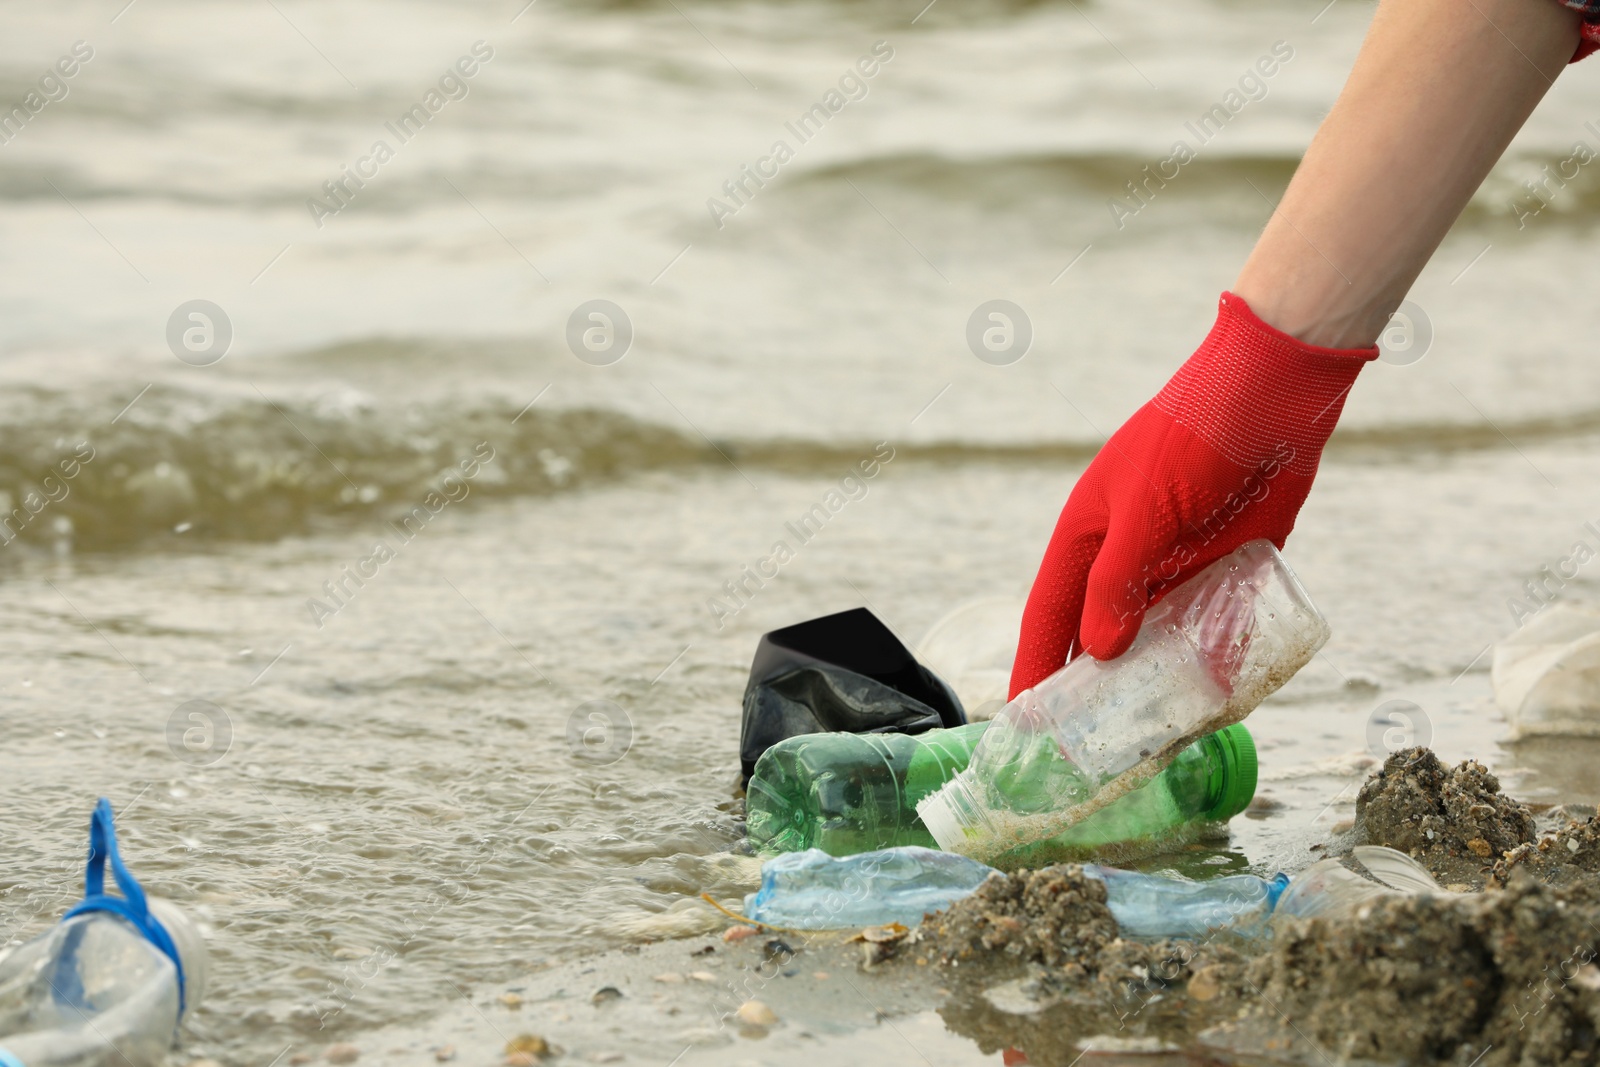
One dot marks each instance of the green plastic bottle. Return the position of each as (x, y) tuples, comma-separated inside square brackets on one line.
[(849, 793)]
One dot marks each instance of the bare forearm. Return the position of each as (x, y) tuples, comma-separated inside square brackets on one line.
[(1438, 91)]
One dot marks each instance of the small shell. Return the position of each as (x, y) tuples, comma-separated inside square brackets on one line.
[(879, 935)]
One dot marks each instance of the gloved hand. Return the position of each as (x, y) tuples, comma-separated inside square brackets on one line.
[(1224, 454)]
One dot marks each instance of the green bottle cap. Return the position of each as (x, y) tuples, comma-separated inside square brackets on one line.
[(1237, 787)]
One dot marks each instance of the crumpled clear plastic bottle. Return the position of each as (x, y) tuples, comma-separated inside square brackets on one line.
[(812, 890), (96, 990), (1327, 888), (1162, 905), (1205, 656), (815, 891), (1157, 905)]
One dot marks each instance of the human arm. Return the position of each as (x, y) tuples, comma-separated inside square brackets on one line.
[(1227, 451), (1437, 92)]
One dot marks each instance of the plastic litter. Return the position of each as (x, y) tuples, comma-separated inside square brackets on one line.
[(1157, 905), (1090, 733), (815, 891), (1547, 675), (972, 647), (844, 672), (109, 984), (1396, 870), (812, 890), (849, 793), (1329, 889)]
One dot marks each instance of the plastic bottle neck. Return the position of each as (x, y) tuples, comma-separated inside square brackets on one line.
[(951, 815), (1231, 784)]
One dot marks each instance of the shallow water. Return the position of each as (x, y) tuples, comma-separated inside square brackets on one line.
[(407, 795), (400, 816)]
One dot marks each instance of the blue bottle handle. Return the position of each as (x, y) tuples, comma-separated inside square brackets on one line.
[(131, 905)]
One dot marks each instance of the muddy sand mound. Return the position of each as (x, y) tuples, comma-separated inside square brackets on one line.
[(1453, 820), (1503, 978), (1036, 963), (1057, 916), (1570, 855)]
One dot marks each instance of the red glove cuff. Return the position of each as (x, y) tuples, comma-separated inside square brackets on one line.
[(1254, 393), (1588, 40)]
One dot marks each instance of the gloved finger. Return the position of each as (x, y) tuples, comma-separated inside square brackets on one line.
[(1050, 620), (1122, 585)]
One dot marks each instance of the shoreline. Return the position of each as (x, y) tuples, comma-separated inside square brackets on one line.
[(1061, 983)]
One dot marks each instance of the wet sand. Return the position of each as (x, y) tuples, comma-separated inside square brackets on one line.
[(678, 1001), (1499, 972)]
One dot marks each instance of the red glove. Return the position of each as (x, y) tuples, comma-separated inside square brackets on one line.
[(1588, 40), (1224, 454)]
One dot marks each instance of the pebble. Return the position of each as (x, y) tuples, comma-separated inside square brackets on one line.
[(670, 978), (1262, 806), (445, 1053), (703, 1036), (1205, 985), (875, 952), (511, 1000), (300, 1058), (755, 1013), (1572, 844), (344, 1052), (702, 976), (525, 1050)]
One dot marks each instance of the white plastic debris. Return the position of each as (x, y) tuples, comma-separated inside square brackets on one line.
[(1547, 675), (971, 648)]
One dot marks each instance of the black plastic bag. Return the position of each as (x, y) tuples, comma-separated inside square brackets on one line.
[(844, 672)]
